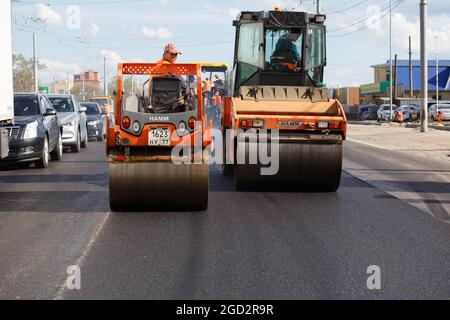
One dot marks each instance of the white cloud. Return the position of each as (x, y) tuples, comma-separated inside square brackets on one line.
[(112, 60), (93, 29), (159, 33), (232, 12), (438, 25), (46, 14)]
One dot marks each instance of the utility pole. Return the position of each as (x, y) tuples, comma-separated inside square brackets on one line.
[(35, 66), (437, 74), (411, 86), (395, 77), (68, 84), (105, 86), (424, 66), (132, 85), (83, 74), (390, 59), (318, 6)]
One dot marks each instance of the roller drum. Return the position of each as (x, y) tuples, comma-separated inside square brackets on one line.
[(313, 167), (158, 186)]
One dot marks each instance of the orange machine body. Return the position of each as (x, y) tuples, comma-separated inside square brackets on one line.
[(285, 115), (117, 137)]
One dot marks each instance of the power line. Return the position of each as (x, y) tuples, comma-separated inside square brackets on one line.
[(363, 19), (80, 3), (349, 8), (67, 45), (364, 27)]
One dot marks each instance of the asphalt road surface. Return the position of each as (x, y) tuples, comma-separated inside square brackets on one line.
[(246, 246)]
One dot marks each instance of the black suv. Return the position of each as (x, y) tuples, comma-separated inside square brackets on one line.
[(36, 134)]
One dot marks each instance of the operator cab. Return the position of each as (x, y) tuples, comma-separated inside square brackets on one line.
[(168, 95), (279, 48)]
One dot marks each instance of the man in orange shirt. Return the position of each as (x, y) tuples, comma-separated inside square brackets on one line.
[(170, 54), (208, 93)]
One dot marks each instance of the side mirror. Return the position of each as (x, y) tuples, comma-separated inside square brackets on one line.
[(83, 110), (50, 112)]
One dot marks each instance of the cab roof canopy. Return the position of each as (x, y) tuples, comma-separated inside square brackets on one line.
[(213, 66), (279, 19)]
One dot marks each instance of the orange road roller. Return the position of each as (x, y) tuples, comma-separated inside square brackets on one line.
[(278, 101), (158, 141)]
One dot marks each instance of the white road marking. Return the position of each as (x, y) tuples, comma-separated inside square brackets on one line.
[(98, 229)]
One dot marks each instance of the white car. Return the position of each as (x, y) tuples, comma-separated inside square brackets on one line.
[(384, 112), (74, 120), (435, 109), (406, 113)]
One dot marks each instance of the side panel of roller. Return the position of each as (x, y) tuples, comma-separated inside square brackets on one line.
[(158, 186), (309, 167)]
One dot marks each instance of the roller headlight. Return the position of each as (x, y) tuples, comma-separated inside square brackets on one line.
[(136, 127), (182, 126), (31, 131)]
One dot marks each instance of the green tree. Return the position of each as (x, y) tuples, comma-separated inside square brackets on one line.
[(23, 73)]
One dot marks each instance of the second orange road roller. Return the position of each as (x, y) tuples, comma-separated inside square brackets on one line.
[(277, 87), (158, 146)]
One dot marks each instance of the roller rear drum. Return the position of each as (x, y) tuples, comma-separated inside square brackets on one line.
[(158, 186)]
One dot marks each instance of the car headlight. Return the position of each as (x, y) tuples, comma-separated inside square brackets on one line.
[(93, 123), (69, 124), (31, 131)]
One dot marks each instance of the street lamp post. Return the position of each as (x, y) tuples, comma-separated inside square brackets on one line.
[(424, 66), (391, 102)]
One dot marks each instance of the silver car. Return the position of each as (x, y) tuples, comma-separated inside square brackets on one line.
[(435, 109), (73, 117), (384, 112)]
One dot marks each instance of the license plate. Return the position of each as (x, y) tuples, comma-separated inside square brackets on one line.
[(159, 136)]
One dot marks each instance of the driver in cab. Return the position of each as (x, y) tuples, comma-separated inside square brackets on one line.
[(287, 52)]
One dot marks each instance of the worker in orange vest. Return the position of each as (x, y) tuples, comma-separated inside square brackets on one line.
[(217, 100), (208, 90), (170, 54), (440, 118)]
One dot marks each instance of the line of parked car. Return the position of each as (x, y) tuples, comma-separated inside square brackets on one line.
[(46, 125), (406, 113)]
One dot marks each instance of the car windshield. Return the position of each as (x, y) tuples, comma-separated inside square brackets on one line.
[(388, 108), (25, 106), (91, 109), (101, 101), (62, 104)]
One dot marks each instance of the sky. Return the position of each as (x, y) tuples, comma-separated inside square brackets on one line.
[(76, 35)]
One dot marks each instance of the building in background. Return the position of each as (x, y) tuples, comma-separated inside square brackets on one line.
[(90, 79), (379, 90), (91, 85), (348, 96)]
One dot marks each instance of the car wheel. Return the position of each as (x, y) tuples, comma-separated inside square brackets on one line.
[(43, 161), (85, 142), (57, 154), (76, 147)]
